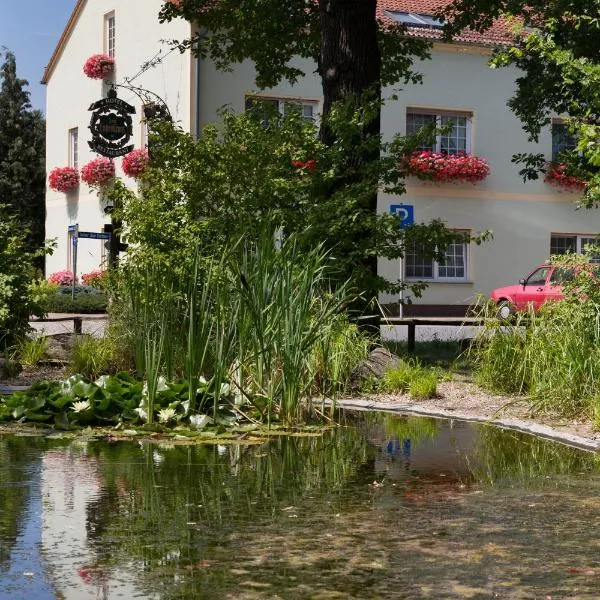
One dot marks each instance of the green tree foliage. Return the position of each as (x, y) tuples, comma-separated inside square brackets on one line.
[(355, 54), (557, 49), (22, 155), (16, 274), (226, 183)]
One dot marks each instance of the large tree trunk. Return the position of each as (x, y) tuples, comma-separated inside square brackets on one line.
[(350, 66), (350, 60)]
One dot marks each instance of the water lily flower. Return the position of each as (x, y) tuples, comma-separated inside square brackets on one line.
[(166, 414), (80, 406)]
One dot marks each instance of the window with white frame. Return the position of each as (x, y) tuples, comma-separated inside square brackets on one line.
[(110, 34), (74, 147), (562, 139), (564, 243), (456, 140), (418, 265), (263, 104)]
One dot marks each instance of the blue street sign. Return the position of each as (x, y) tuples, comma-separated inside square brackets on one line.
[(406, 212), (72, 227), (94, 235)]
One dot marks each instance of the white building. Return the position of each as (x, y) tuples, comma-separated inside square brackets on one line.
[(529, 220)]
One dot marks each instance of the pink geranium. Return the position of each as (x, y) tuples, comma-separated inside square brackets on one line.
[(437, 166), (93, 278), (99, 66), (63, 179), (134, 164), (557, 175), (62, 278), (98, 172)]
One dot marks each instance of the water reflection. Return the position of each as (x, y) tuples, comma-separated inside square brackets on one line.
[(384, 506)]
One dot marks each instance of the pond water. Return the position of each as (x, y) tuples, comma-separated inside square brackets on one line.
[(382, 507)]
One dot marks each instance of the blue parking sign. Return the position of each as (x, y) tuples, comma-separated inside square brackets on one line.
[(406, 212)]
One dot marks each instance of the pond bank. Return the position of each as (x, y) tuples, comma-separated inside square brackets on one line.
[(463, 400)]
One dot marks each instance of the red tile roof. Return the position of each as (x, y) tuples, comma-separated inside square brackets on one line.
[(499, 33)]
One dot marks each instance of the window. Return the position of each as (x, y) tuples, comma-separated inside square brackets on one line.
[(415, 20), (417, 265), (74, 147), (562, 140), (109, 34), (563, 243), (456, 140), (264, 105)]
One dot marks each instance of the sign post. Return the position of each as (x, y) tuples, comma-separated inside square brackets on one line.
[(74, 231), (406, 214)]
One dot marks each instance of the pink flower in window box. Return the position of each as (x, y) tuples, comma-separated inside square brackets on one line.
[(63, 179), (134, 164), (557, 175), (99, 66), (98, 172), (440, 167)]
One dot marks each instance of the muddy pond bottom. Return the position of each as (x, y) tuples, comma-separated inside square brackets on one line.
[(383, 506)]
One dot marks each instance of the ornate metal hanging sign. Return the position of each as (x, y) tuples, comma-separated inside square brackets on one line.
[(111, 126)]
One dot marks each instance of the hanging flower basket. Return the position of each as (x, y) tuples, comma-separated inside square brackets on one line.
[(556, 175), (134, 164), (98, 172), (99, 66), (63, 179), (440, 167)]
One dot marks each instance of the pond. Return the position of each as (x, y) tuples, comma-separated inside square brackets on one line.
[(384, 506)]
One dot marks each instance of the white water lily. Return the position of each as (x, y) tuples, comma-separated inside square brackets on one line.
[(161, 386), (200, 421), (80, 406), (166, 414)]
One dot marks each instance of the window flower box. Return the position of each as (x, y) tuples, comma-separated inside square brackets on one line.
[(98, 172), (134, 164), (63, 179), (441, 167), (99, 66), (556, 175)]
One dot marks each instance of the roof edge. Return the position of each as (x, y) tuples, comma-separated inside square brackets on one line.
[(66, 34)]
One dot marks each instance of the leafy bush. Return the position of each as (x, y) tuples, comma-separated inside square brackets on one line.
[(87, 300), (16, 274)]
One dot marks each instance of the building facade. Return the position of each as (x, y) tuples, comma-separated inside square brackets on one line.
[(529, 220)]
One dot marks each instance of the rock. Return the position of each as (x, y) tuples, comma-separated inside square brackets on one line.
[(374, 366)]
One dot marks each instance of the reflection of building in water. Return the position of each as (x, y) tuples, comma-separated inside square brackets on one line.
[(70, 484), (424, 459)]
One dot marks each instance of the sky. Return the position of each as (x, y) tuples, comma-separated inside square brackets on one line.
[(31, 29)]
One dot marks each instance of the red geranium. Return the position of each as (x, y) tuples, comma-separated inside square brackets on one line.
[(63, 179), (62, 278), (98, 172), (437, 166), (99, 66), (309, 165), (134, 164), (556, 175)]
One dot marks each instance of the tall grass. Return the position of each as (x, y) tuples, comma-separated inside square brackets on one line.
[(260, 323), (551, 356)]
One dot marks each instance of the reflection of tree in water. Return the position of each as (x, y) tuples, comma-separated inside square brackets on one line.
[(16, 457), (173, 507), (507, 456)]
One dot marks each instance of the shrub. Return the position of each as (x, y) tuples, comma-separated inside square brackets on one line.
[(92, 357), (61, 302), (16, 275)]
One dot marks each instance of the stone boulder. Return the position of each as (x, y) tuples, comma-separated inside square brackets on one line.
[(380, 359)]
